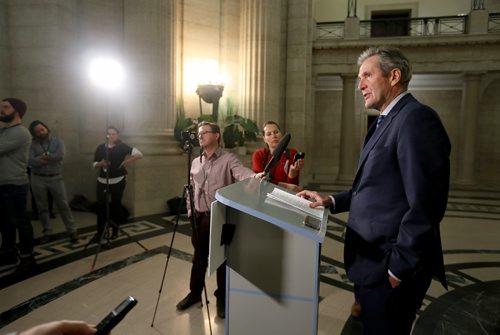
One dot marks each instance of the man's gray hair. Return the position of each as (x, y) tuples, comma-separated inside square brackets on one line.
[(390, 58)]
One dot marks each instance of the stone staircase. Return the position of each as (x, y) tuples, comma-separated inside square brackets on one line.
[(465, 202)]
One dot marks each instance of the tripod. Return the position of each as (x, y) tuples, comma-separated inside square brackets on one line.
[(187, 192), (108, 221)]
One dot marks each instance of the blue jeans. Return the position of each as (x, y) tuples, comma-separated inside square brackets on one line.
[(13, 216)]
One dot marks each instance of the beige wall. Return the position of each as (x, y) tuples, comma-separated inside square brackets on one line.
[(4, 51)]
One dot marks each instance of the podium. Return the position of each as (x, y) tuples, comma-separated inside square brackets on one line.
[(272, 269)]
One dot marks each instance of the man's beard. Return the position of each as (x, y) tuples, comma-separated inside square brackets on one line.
[(42, 137), (7, 118)]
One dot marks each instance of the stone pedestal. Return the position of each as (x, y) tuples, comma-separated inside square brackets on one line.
[(351, 28), (478, 22)]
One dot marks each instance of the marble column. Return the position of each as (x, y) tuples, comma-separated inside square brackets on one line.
[(348, 152), (260, 59), (148, 29), (468, 118)]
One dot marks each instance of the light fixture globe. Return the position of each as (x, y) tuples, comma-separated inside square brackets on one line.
[(211, 93)]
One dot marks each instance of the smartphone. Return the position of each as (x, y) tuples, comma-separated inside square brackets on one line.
[(299, 155), (115, 316), (311, 222)]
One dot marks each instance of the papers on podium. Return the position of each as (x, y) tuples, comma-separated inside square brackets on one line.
[(296, 202)]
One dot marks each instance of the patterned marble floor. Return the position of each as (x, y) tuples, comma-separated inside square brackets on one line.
[(66, 288)]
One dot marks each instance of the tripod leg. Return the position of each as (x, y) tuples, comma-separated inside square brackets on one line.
[(115, 226), (99, 245), (176, 224)]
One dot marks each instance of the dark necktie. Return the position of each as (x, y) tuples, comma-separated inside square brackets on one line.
[(380, 119)]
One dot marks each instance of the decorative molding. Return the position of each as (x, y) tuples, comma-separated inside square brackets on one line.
[(420, 82), (410, 41)]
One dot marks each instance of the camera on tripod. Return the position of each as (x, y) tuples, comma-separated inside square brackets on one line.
[(190, 139), (189, 135)]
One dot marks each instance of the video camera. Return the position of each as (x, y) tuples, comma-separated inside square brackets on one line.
[(189, 135)]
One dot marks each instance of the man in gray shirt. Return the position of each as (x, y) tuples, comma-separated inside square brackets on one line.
[(45, 160), (15, 141)]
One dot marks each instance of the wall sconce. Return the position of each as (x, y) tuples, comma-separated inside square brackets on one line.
[(210, 93)]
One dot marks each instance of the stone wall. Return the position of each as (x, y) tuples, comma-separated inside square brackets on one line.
[(4, 51)]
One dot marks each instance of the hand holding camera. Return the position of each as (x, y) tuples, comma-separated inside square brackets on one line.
[(45, 156), (298, 160)]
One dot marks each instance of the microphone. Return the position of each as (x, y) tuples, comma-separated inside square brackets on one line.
[(278, 151)]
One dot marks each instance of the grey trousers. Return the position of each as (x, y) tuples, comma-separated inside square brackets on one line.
[(55, 185)]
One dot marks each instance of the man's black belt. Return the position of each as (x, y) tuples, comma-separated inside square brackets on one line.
[(46, 174), (207, 213)]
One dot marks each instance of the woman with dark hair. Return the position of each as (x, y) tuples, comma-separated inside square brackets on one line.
[(110, 158), (286, 171)]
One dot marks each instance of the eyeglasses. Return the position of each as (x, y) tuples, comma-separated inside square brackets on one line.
[(201, 133)]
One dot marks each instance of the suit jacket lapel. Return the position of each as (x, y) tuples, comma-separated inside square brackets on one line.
[(374, 134)]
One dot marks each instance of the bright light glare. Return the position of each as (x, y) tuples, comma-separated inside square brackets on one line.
[(106, 73), (202, 71)]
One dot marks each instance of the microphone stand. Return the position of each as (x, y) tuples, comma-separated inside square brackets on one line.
[(187, 192)]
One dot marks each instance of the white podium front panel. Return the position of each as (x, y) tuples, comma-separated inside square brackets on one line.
[(273, 281), (272, 262)]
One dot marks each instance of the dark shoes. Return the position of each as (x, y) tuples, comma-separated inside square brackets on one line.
[(7, 260), (45, 239), (221, 308), (26, 268), (73, 237), (188, 301), (192, 299)]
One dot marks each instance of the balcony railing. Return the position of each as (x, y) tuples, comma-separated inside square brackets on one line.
[(330, 30), (427, 26)]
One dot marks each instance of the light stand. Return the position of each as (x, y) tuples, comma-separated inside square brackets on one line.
[(187, 192), (107, 74), (211, 94)]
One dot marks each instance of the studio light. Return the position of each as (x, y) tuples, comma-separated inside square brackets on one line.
[(106, 73)]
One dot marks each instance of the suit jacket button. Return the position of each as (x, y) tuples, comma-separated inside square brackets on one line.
[(354, 193)]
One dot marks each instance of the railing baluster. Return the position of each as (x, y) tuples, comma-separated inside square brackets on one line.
[(445, 25)]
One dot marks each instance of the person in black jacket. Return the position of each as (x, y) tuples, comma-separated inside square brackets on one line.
[(110, 158)]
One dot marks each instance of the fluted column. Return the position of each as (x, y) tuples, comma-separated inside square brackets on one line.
[(468, 118), (348, 152), (260, 55), (148, 27)]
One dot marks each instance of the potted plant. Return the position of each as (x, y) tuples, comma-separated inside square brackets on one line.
[(236, 130)]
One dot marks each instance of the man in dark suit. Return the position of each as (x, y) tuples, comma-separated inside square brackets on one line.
[(397, 200)]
